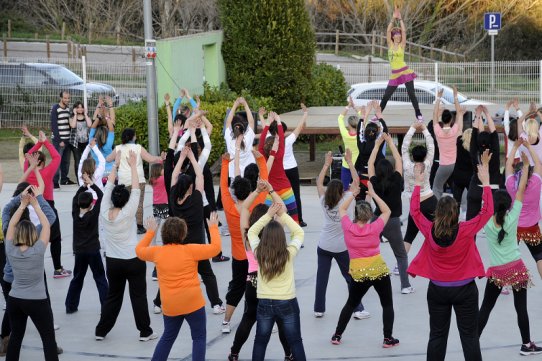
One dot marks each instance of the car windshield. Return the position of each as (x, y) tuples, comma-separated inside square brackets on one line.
[(350, 91), (63, 76), (448, 95)]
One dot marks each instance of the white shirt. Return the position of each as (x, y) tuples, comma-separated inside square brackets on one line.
[(510, 143), (245, 155), (288, 161), (98, 173), (125, 173)]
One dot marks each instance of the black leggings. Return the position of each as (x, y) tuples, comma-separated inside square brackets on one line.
[(427, 207), (460, 183), (293, 177), (390, 89), (357, 291), (491, 294), (56, 238), (248, 321)]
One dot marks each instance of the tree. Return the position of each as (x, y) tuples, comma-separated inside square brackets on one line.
[(268, 49)]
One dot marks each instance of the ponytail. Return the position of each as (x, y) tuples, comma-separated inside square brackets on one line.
[(502, 202), (499, 218)]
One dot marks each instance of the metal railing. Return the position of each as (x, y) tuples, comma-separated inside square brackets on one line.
[(519, 79)]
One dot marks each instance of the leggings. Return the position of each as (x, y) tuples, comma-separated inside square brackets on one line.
[(392, 231), (382, 286), (293, 176), (56, 238), (248, 321), (427, 208), (520, 303), (390, 89), (460, 183), (441, 177)]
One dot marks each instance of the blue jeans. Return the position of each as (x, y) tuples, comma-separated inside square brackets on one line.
[(64, 168), (286, 314), (172, 325), (82, 262), (322, 276)]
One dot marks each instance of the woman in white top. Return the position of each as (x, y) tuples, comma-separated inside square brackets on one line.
[(331, 241), (235, 127), (119, 206), (421, 157), (510, 126), (128, 139), (88, 165), (289, 162)]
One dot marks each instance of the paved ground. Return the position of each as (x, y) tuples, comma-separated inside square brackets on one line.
[(362, 339)]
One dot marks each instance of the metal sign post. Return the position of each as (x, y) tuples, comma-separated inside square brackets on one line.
[(492, 23), (152, 107)]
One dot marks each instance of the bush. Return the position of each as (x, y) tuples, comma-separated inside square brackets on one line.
[(327, 87), (268, 49)]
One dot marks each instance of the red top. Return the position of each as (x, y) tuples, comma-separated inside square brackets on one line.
[(277, 175), (459, 261), (159, 194), (47, 172), (232, 212)]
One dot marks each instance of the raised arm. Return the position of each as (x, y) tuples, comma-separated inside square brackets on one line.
[(490, 122), (250, 117), (436, 108), (524, 178), (386, 211), (147, 157), (199, 173), (536, 160), (302, 122), (459, 112), (320, 180), (509, 166), (206, 151), (169, 115), (132, 162), (231, 114), (372, 157), (395, 153), (178, 166)]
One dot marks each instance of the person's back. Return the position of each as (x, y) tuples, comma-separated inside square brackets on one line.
[(28, 267), (85, 225)]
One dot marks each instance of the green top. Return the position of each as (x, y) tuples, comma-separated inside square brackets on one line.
[(508, 250), (349, 140)]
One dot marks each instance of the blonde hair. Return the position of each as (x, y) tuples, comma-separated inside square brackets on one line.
[(531, 127), (26, 234), (467, 135)]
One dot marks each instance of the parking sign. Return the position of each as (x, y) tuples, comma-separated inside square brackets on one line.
[(492, 21)]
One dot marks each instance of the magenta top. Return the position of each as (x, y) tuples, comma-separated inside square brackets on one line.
[(446, 141), (362, 241), (530, 212), (159, 194), (252, 262)]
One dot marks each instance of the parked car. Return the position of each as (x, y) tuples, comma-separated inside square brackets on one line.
[(425, 91), (28, 90)]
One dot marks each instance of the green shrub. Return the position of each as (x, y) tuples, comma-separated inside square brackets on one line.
[(328, 87), (268, 49)]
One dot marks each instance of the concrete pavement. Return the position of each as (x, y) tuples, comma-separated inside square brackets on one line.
[(361, 341)]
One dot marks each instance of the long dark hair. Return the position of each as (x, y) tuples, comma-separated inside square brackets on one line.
[(183, 185), (502, 202), (446, 217), (384, 171), (334, 193)]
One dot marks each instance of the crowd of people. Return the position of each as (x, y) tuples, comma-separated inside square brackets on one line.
[(260, 196)]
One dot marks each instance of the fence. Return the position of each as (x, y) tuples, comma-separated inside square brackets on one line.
[(29, 87), (375, 43), (511, 78)]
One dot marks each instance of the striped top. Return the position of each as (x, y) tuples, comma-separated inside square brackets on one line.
[(60, 123)]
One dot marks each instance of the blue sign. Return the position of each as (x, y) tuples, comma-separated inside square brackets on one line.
[(492, 21)]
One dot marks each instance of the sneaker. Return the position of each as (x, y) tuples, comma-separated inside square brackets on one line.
[(154, 275), (67, 182), (61, 273), (383, 239), (157, 309), (233, 357), (390, 342), (221, 259), (275, 328), (361, 315), (141, 229), (99, 338), (419, 118), (56, 327), (226, 328), (318, 314), (224, 231), (396, 270), (289, 357), (152, 336), (56, 186), (407, 290), (59, 350), (336, 339), (4, 346), (505, 290), (530, 349), (68, 311), (219, 309), (302, 224)]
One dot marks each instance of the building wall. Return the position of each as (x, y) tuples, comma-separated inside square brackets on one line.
[(188, 61)]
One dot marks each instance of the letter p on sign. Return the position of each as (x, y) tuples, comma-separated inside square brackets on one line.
[(492, 21)]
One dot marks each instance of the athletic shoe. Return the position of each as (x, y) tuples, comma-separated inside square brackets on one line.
[(233, 357), (407, 290), (219, 309), (396, 270), (152, 336), (220, 259), (224, 231), (141, 229), (275, 329), (67, 182), (530, 349), (99, 338), (302, 224), (390, 342), (59, 350), (68, 311), (56, 327), (318, 314), (336, 339), (290, 357), (226, 328), (419, 118), (61, 273), (361, 315), (157, 309), (56, 186), (154, 275), (505, 290)]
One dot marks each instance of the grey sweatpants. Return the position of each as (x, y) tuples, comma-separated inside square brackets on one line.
[(392, 231), (443, 173)]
